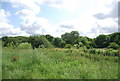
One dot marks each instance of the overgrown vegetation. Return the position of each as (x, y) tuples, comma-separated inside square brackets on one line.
[(70, 56), (57, 64)]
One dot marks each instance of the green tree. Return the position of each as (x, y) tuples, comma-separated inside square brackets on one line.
[(62, 44), (115, 37), (49, 38), (71, 38), (83, 40), (57, 41), (102, 41), (5, 41), (13, 41), (36, 41)]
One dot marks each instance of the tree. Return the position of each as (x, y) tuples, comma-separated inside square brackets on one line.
[(57, 41), (13, 41), (102, 41), (36, 41), (83, 40), (115, 37), (62, 44), (5, 41), (71, 38), (49, 38)]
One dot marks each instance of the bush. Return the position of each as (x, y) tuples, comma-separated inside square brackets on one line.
[(115, 53), (41, 46), (25, 46), (113, 45), (88, 47), (77, 46), (68, 46), (69, 51), (111, 52), (92, 51)]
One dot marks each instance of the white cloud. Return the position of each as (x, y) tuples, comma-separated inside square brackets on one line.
[(113, 11), (7, 29), (90, 26), (32, 5), (31, 23), (28, 11), (104, 26), (69, 5), (4, 15), (35, 25), (86, 24)]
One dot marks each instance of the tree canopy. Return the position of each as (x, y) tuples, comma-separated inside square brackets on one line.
[(69, 39)]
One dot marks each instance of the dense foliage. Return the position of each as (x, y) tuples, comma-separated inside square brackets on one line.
[(70, 57), (37, 41), (67, 40)]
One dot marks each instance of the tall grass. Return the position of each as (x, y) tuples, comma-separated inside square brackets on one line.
[(107, 52), (0, 60), (56, 64)]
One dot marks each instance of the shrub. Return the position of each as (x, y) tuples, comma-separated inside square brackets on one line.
[(41, 46), (77, 46), (114, 53), (113, 45), (85, 50), (25, 46), (107, 53), (111, 52), (88, 47), (69, 51), (92, 51), (68, 46)]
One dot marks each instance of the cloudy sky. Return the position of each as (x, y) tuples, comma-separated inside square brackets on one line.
[(55, 17)]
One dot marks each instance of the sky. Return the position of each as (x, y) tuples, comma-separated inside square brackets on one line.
[(56, 17)]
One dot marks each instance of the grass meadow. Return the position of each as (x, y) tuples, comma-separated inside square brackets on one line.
[(57, 63)]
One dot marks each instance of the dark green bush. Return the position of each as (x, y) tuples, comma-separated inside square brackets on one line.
[(88, 47), (92, 51)]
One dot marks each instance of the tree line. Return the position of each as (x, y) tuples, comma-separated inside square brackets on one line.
[(67, 40)]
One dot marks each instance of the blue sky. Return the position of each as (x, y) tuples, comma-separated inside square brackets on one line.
[(13, 19), (55, 17)]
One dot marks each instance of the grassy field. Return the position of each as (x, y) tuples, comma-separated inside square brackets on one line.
[(57, 63), (0, 60)]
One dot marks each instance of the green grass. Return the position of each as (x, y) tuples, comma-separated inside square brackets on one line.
[(57, 64), (0, 60)]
